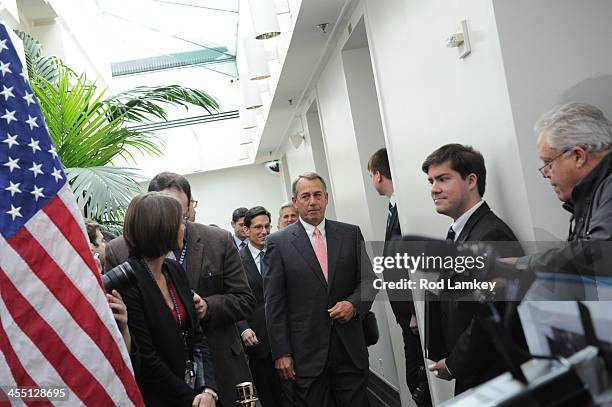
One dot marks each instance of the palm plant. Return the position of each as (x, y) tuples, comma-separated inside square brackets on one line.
[(89, 131)]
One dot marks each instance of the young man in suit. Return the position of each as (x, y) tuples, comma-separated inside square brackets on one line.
[(215, 272), (457, 175), (240, 236), (253, 330), (403, 308), (317, 288)]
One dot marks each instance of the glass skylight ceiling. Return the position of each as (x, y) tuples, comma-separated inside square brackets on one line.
[(149, 35)]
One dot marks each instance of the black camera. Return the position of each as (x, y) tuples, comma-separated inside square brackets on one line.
[(119, 278)]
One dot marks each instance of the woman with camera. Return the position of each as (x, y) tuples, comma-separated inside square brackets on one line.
[(175, 363)]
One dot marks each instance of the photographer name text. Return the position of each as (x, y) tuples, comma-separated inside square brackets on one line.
[(425, 284)]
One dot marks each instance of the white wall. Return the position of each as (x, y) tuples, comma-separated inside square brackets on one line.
[(525, 58), (220, 192), (554, 51)]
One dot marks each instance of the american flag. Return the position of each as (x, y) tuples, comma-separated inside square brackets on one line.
[(56, 326)]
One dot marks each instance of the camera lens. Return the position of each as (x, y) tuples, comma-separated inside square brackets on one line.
[(119, 278)]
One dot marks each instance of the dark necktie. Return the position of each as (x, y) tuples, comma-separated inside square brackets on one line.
[(261, 263), (451, 234), (390, 213), (242, 244)]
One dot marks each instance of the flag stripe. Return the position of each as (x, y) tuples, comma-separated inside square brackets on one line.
[(17, 367), (20, 376), (52, 307), (103, 348), (81, 382), (71, 230), (67, 259)]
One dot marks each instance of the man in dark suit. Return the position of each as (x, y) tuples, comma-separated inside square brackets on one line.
[(403, 308), (215, 272), (240, 237), (457, 175), (318, 287), (253, 330)]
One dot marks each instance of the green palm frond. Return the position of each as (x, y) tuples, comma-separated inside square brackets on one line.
[(37, 64), (143, 103), (79, 126), (103, 193), (89, 131)]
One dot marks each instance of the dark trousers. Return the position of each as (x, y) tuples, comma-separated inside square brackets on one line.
[(413, 353), (267, 381), (341, 384)]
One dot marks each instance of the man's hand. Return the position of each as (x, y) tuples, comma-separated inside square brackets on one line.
[(342, 312), (204, 400), (249, 338), (201, 306), (284, 366), (414, 327), (440, 370)]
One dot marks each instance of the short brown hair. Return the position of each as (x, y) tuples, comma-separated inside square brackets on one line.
[(92, 227), (152, 223), (463, 159), (311, 176), (170, 180), (379, 162)]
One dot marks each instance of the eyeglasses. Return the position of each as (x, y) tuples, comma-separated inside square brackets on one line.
[(194, 203), (548, 165)]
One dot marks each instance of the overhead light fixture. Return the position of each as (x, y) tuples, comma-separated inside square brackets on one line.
[(297, 139), (250, 94), (248, 119), (265, 22), (256, 59)]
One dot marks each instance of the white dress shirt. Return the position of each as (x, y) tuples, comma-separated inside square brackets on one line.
[(310, 232), (255, 252), (459, 224)]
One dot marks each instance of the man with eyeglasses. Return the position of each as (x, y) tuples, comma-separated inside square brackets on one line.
[(575, 144), (193, 204), (215, 272)]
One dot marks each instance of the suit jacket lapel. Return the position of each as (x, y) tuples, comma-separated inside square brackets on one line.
[(195, 253), (472, 221), (334, 244), (304, 247), (250, 266)]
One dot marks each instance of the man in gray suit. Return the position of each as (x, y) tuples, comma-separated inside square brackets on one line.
[(215, 272), (318, 288)]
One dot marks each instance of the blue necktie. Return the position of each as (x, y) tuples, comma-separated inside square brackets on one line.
[(261, 264), (451, 234), (390, 213)]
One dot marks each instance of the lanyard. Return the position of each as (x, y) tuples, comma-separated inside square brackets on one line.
[(172, 296), (181, 259)]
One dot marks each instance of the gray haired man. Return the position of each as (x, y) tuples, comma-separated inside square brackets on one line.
[(575, 144), (287, 215)]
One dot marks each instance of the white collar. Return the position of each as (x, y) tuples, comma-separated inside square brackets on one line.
[(392, 199), (255, 251), (459, 224), (310, 228)]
